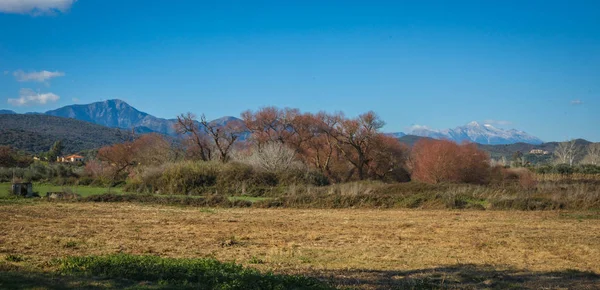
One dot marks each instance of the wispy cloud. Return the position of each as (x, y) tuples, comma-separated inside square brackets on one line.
[(497, 122), (576, 102), (418, 127), (6, 72), (75, 100), (37, 76), (28, 97), (35, 7)]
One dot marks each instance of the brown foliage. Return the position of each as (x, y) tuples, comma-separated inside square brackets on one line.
[(388, 161), (148, 150), (119, 157), (340, 148), (436, 161), (152, 149), (271, 124)]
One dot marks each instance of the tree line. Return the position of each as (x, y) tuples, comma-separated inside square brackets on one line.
[(330, 145)]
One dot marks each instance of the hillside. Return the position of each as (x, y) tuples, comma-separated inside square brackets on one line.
[(116, 114), (36, 133)]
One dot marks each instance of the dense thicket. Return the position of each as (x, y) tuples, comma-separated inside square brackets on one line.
[(436, 161)]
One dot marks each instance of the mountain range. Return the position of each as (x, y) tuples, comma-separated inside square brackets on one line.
[(119, 114), (116, 114), (477, 133)]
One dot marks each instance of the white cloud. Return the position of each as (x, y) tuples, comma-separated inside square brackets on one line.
[(576, 102), (36, 76), (27, 97), (418, 127), (497, 122), (75, 100), (35, 7)]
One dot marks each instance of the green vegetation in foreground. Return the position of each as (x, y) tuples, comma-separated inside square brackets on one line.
[(156, 272), (84, 191)]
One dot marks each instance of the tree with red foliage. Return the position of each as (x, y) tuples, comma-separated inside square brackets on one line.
[(152, 149), (388, 159), (270, 124), (356, 138), (318, 148), (436, 161), (119, 156)]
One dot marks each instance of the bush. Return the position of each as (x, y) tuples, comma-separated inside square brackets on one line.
[(233, 178), (274, 157), (238, 178), (436, 161), (189, 177), (59, 174), (522, 177), (588, 169), (563, 169)]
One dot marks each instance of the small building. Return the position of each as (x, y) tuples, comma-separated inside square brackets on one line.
[(22, 189), (539, 152), (70, 159)]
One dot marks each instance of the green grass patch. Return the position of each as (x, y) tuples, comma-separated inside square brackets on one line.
[(40, 188), (248, 198), (591, 215), (188, 273)]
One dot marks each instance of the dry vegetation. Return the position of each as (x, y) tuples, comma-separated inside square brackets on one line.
[(350, 247)]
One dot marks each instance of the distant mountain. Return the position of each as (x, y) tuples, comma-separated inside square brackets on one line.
[(119, 114), (7, 112), (396, 134), (478, 133), (226, 120), (37, 133), (410, 140), (116, 114)]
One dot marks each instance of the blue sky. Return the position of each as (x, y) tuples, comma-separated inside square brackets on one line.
[(529, 65)]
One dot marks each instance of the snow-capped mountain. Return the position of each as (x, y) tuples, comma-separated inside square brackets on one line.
[(477, 133)]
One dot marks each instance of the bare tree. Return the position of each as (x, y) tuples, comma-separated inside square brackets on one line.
[(274, 157), (355, 139), (223, 137), (187, 126), (592, 154), (566, 152)]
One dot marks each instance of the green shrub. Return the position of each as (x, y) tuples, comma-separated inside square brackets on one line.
[(189, 177), (563, 169), (191, 273), (14, 258)]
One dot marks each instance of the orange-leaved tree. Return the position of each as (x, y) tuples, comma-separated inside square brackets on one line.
[(436, 161)]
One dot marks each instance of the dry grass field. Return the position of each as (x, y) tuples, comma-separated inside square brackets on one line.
[(350, 247)]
